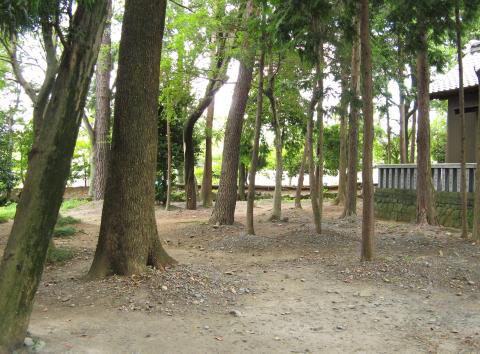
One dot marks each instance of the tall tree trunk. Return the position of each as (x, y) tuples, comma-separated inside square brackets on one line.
[(256, 144), (242, 177), (219, 66), (206, 190), (413, 137), (277, 129), (476, 211), (169, 166), (128, 240), (461, 94), (311, 158), (224, 210), (403, 133), (101, 144), (368, 220), (425, 194), (24, 256), (320, 128), (351, 195), (342, 168), (301, 176), (389, 136)]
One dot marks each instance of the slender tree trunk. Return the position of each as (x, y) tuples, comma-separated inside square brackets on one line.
[(224, 210), (476, 211), (461, 94), (425, 197), (128, 240), (101, 144), (368, 221), (301, 176), (311, 159), (342, 168), (320, 150), (256, 144), (351, 195), (169, 166), (241, 181), (24, 256), (413, 137), (389, 136), (206, 191), (277, 129), (403, 133)]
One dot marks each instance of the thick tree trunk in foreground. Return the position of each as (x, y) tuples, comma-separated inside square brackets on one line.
[(206, 191), (351, 195), (256, 144), (342, 168), (24, 256), (461, 94), (425, 197), (224, 210), (128, 240), (368, 221), (301, 177), (476, 211), (101, 144)]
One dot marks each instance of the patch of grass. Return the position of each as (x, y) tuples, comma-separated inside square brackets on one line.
[(73, 203), (67, 220), (59, 255), (7, 212), (64, 231)]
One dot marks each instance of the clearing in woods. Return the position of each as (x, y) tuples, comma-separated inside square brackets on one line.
[(282, 291)]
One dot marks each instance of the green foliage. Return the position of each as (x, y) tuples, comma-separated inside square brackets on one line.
[(72, 203), (80, 167), (7, 212), (59, 255), (64, 231), (67, 220), (438, 129), (7, 176)]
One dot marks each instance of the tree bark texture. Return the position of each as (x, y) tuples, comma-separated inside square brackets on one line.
[(256, 144), (224, 210), (368, 217), (128, 240), (351, 195), (169, 166), (206, 190), (425, 197), (24, 256), (461, 95), (101, 131)]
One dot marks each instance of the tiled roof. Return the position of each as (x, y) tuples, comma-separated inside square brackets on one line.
[(450, 81)]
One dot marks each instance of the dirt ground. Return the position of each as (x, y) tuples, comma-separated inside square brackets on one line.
[(285, 290)]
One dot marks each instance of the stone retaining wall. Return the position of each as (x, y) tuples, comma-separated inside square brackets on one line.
[(400, 205)]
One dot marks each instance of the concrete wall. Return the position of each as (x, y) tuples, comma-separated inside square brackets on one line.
[(454, 128), (400, 205)]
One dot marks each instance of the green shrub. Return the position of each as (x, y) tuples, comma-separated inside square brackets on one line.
[(72, 203), (7, 212), (59, 255), (64, 231), (67, 220)]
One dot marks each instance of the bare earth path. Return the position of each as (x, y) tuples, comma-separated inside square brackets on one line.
[(285, 290)]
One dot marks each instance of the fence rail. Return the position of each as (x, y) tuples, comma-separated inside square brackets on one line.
[(446, 176)]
